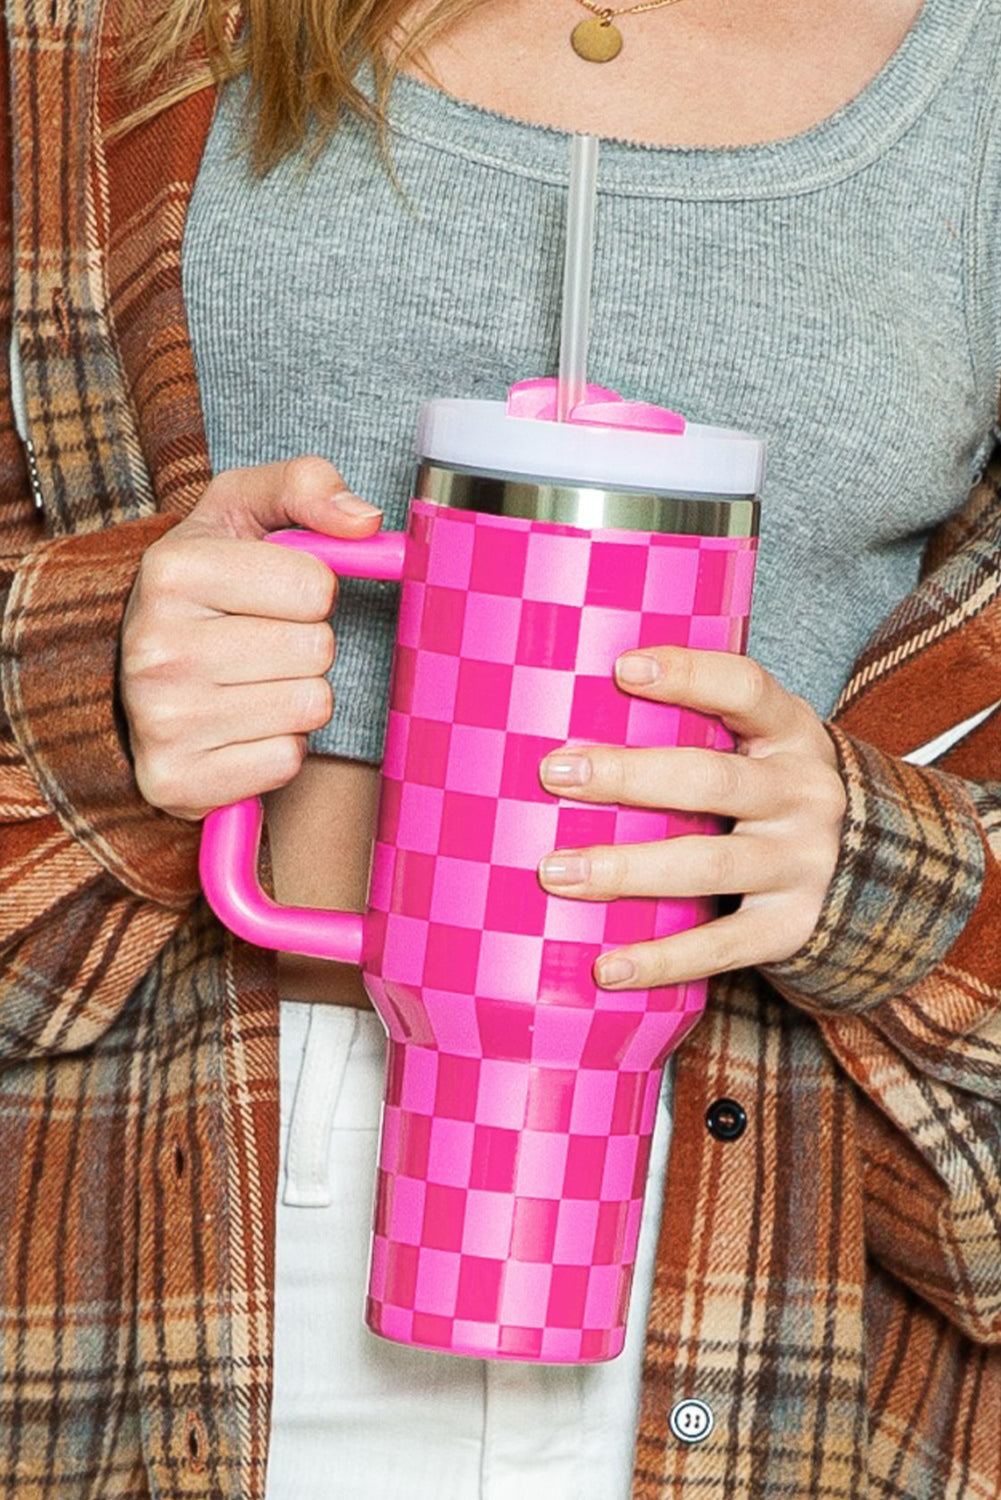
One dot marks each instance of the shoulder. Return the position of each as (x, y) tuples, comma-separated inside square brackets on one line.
[(70, 72)]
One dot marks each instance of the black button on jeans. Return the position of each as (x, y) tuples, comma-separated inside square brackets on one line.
[(726, 1119)]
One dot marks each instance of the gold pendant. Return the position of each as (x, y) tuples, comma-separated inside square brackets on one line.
[(596, 40)]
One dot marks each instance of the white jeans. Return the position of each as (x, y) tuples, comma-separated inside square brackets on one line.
[(357, 1418)]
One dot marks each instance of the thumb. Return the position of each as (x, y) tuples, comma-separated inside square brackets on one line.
[(306, 491)]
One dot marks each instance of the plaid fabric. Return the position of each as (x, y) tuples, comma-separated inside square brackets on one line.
[(830, 1282)]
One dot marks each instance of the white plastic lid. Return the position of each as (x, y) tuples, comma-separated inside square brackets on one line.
[(480, 435)]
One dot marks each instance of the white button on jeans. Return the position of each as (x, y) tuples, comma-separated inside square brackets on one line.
[(355, 1417)]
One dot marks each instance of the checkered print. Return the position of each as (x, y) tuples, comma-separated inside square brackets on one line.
[(520, 1097)]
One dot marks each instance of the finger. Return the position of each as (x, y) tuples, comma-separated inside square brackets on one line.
[(749, 700), (220, 777), (755, 934), (242, 650), (177, 725), (730, 864), (687, 780), (245, 577), (305, 491), (247, 712)]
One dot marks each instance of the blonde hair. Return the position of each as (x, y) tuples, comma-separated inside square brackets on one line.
[(301, 57)]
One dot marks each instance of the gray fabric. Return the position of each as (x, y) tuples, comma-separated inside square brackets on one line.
[(837, 293)]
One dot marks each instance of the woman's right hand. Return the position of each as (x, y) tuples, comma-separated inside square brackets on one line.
[(226, 638)]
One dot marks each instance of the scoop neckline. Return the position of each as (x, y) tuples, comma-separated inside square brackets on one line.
[(844, 143)]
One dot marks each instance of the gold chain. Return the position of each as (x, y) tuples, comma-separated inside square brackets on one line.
[(607, 14)]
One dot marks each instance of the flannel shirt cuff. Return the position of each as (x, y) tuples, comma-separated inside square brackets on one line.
[(909, 876), (60, 667)]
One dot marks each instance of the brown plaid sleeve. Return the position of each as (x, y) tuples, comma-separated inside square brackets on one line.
[(909, 875), (60, 635), (92, 880), (904, 976)]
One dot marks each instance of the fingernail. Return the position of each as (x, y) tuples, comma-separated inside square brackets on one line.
[(637, 669), (565, 869), (566, 770), (353, 505), (615, 970)]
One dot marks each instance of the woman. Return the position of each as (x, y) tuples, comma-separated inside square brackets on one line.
[(825, 1305)]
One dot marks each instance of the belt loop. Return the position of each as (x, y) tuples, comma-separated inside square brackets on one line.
[(331, 1034)]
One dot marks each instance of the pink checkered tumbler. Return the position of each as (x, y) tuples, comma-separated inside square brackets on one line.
[(519, 1098)]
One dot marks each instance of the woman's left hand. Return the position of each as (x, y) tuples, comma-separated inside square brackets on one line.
[(782, 790)]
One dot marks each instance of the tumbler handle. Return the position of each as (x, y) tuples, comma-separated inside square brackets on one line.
[(231, 836)]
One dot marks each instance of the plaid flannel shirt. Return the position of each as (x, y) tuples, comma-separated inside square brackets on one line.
[(830, 1283)]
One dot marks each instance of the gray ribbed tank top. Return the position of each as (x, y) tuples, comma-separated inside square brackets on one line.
[(837, 293)]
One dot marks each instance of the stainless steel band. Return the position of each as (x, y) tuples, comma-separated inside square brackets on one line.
[(588, 507)]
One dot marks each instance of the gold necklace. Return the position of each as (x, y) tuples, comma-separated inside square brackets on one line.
[(597, 40)]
